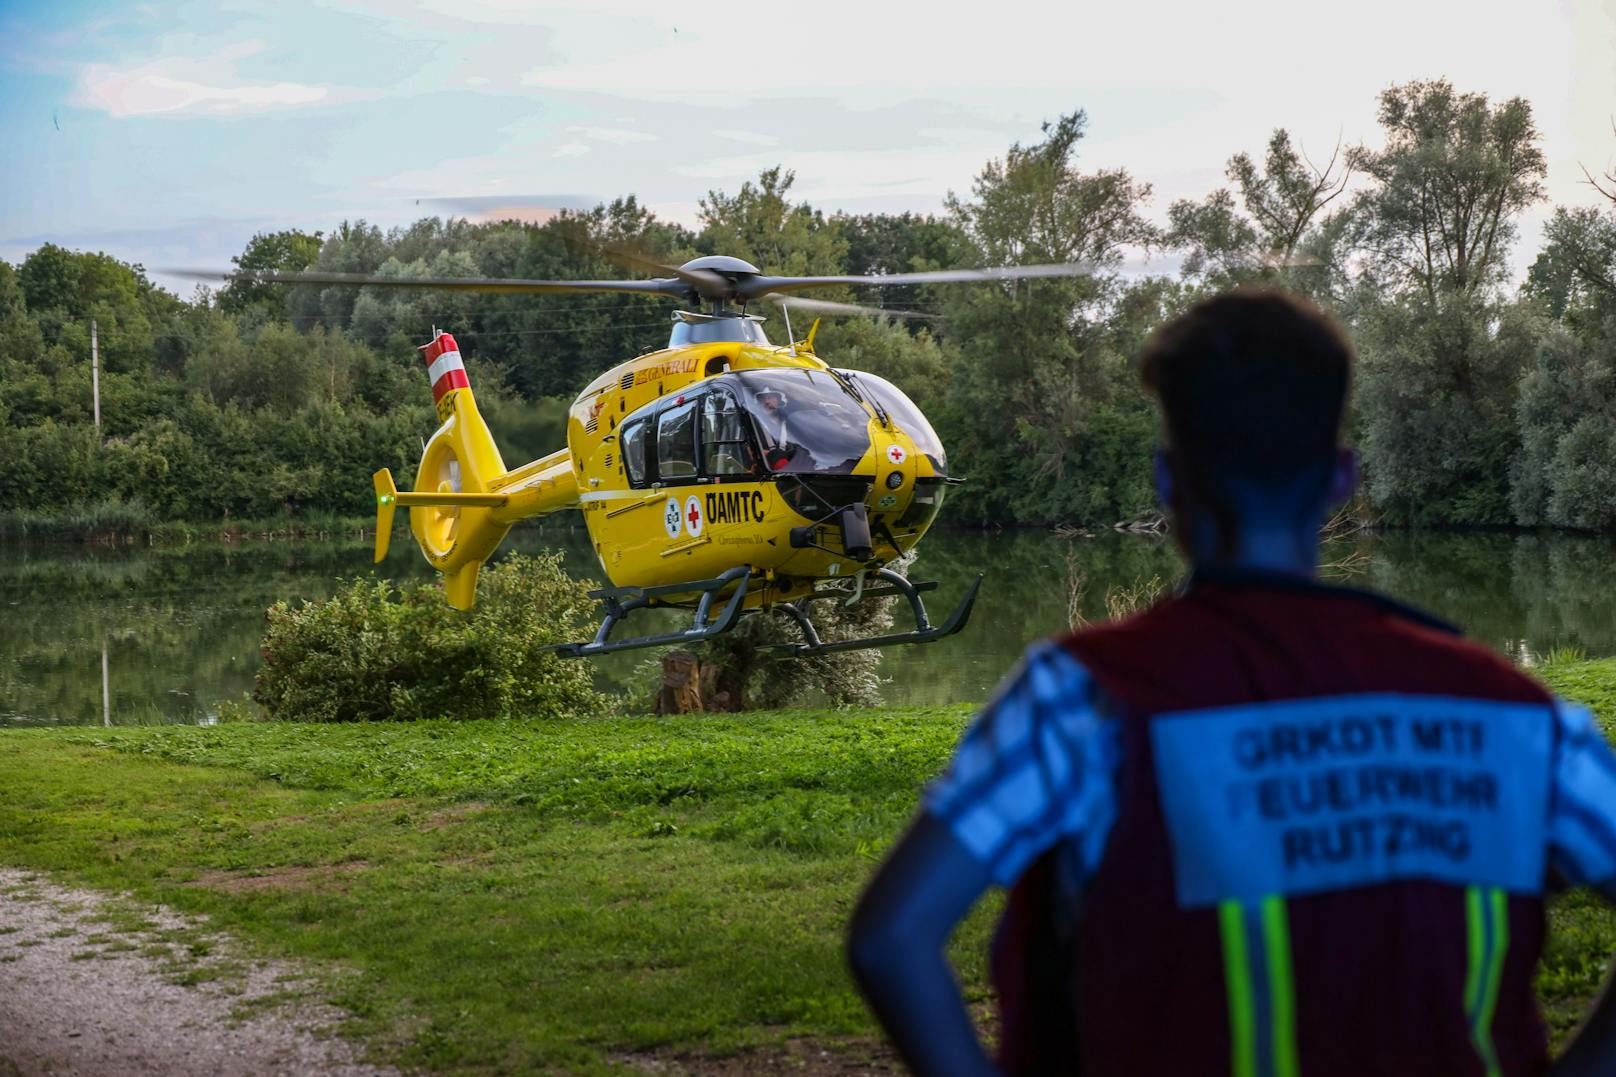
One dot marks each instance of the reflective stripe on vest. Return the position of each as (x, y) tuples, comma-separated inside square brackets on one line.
[(1487, 928), (1262, 994)]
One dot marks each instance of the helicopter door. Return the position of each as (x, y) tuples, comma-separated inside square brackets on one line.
[(726, 449), (676, 444)]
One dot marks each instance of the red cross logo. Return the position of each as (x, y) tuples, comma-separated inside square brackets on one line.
[(694, 516), (896, 454)]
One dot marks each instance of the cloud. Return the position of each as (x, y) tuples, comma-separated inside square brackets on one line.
[(617, 136), (206, 86), (750, 138), (144, 91)]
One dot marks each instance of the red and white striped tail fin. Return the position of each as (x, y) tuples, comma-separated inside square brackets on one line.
[(443, 366)]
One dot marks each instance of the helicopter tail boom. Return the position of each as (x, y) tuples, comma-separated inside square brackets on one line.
[(464, 499)]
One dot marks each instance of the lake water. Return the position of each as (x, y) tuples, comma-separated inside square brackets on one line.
[(177, 629)]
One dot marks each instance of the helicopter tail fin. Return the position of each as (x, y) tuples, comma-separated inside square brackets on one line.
[(444, 368)]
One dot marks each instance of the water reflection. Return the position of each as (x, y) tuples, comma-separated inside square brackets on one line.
[(180, 627)]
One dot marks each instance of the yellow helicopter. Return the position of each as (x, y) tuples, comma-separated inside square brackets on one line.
[(723, 473)]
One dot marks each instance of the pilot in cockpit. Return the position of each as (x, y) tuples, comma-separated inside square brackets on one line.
[(773, 418)]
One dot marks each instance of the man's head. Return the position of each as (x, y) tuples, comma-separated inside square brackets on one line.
[(1252, 385), (771, 399)]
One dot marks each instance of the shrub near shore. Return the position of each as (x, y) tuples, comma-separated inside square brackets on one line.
[(373, 653)]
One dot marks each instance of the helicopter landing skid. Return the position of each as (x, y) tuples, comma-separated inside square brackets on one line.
[(896, 584), (621, 601)]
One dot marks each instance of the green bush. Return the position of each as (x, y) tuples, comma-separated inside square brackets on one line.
[(370, 653)]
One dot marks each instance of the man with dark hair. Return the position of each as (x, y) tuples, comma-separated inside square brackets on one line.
[(1268, 826)]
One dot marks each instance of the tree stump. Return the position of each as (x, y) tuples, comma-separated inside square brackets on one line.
[(680, 691)]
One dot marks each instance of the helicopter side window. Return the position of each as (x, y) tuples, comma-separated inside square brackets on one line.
[(676, 443), (725, 447), (633, 439)]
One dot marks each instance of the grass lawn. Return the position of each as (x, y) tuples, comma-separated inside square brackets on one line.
[(513, 896), (509, 897)]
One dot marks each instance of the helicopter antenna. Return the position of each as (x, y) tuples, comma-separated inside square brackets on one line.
[(791, 338)]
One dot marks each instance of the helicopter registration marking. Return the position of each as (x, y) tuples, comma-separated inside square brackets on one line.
[(671, 517)]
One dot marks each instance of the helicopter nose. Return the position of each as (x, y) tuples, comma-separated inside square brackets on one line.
[(894, 476)]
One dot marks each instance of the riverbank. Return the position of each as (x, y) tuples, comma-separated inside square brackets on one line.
[(595, 896), (119, 524)]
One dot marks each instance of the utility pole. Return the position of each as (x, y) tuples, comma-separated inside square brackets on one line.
[(95, 376), (106, 686)]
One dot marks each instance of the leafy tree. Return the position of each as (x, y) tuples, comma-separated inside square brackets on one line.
[(1454, 173), (759, 223), (355, 247), (1043, 410), (1441, 352), (1565, 475), (288, 250), (1576, 271), (1035, 207), (1435, 397), (898, 243), (1260, 238)]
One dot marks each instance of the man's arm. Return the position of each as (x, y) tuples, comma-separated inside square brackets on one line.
[(895, 947), (1034, 769), (1582, 851)]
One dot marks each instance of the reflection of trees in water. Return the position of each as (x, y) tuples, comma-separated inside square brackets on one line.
[(1508, 591), (1563, 587), (183, 624), (1023, 598)]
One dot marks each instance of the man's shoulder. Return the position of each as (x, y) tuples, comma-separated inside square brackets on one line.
[(1450, 662), (1191, 643), (1164, 623)]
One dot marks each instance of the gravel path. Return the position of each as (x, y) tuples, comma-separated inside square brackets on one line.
[(87, 988)]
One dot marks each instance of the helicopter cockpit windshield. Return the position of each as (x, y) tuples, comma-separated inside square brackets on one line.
[(908, 416), (807, 422)]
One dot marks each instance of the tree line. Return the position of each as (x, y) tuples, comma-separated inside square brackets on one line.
[(1478, 402)]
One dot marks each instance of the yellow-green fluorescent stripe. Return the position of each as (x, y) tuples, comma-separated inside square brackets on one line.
[(1237, 984), (1499, 907), (1476, 942), (1487, 918), (1281, 989)]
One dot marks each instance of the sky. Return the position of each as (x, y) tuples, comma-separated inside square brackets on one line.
[(168, 133)]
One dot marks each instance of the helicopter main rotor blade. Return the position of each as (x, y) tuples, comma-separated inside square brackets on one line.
[(705, 282), (751, 287), (493, 285), (825, 306)]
